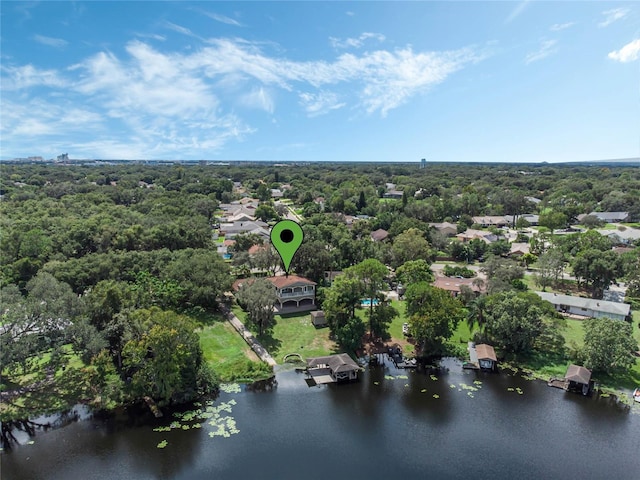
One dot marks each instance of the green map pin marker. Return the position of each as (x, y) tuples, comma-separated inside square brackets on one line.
[(286, 237)]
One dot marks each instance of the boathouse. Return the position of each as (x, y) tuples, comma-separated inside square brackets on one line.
[(578, 378), (332, 368), (481, 356)]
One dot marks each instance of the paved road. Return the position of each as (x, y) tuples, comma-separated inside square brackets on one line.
[(249, 338)]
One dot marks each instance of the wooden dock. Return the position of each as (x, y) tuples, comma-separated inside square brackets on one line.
[(562, 383)]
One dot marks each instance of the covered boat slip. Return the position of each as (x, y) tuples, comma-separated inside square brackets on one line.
[(332, 369)]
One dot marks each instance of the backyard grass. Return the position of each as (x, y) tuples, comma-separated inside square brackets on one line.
[(229, 355)]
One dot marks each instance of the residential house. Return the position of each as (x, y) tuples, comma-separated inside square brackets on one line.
[(490, 220), (276, 193), (330, 275), (531, 218), (379, 235), (332, 369), (293, 293), (230, 230), (446, 228), (395, 194), (622, 235), (454, 285), (519, 249), (470, 234), (587, 307), (609, 217)]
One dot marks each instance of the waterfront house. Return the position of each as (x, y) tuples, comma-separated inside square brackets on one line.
[(293, 293), (332, 368), (587, 307)]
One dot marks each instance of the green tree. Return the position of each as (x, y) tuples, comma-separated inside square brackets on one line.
[(608, 345), (502, 272), (552, 219), (433, 316), (311, 260), (340, 303), (411, 245), (165, 361), (414, 271), (550, 266), (202, 274), (597, 269), (514, 321), (371, 274), (257, 299), (36, 323)]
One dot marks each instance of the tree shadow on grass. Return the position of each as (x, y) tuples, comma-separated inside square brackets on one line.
[(268, 341)]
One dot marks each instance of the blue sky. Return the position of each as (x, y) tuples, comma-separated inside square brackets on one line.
[(333, 81)]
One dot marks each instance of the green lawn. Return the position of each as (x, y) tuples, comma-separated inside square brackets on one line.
[(292, 333), (229, 355)]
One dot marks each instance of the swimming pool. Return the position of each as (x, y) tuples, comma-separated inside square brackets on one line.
[(367, 302)]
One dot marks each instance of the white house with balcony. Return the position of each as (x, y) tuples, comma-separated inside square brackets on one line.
[(293, 293)]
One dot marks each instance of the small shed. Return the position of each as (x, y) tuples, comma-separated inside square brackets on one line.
[(486, 357), (578, 378), (318, 319)]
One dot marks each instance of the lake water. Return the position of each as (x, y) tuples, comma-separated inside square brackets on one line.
[(377, 428)]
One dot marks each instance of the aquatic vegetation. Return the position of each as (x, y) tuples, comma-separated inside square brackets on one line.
[(510, 389), (464, 386), (423, 390), (162, 444), (223, 425), (30, 442), (452, 386), (477, 382), (403, 377), (470, 394), (435, 395), (230, 388), (376, 383), (406, 385), (433, 377), (389, 377)]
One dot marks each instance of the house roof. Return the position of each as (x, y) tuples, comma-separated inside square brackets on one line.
[(454, 284), (318, 314), (578, 374), (486, 352), (611, 216), (519, 248), (470, 234), (338, 363), (288, 281), (256, 248), (490, 220), (444, 225), (602, 306), (379, 235)]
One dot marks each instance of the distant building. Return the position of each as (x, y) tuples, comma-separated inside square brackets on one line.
[(395, 194), (423, 163), (490, 220), (454, 285), (379, 235), (608, 217), (446, 228)]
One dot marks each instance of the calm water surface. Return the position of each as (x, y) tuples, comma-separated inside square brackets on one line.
[(393, 428)]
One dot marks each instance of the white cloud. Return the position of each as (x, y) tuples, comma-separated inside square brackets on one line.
[(629, 53), (258, 98), (50, 41), (517, 11), (153, 36), (27, 76), (162, 103), (546, 49), (319, 103), (220, 18), (355, 42), (179, 28), (613, 16), (561, 26)]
